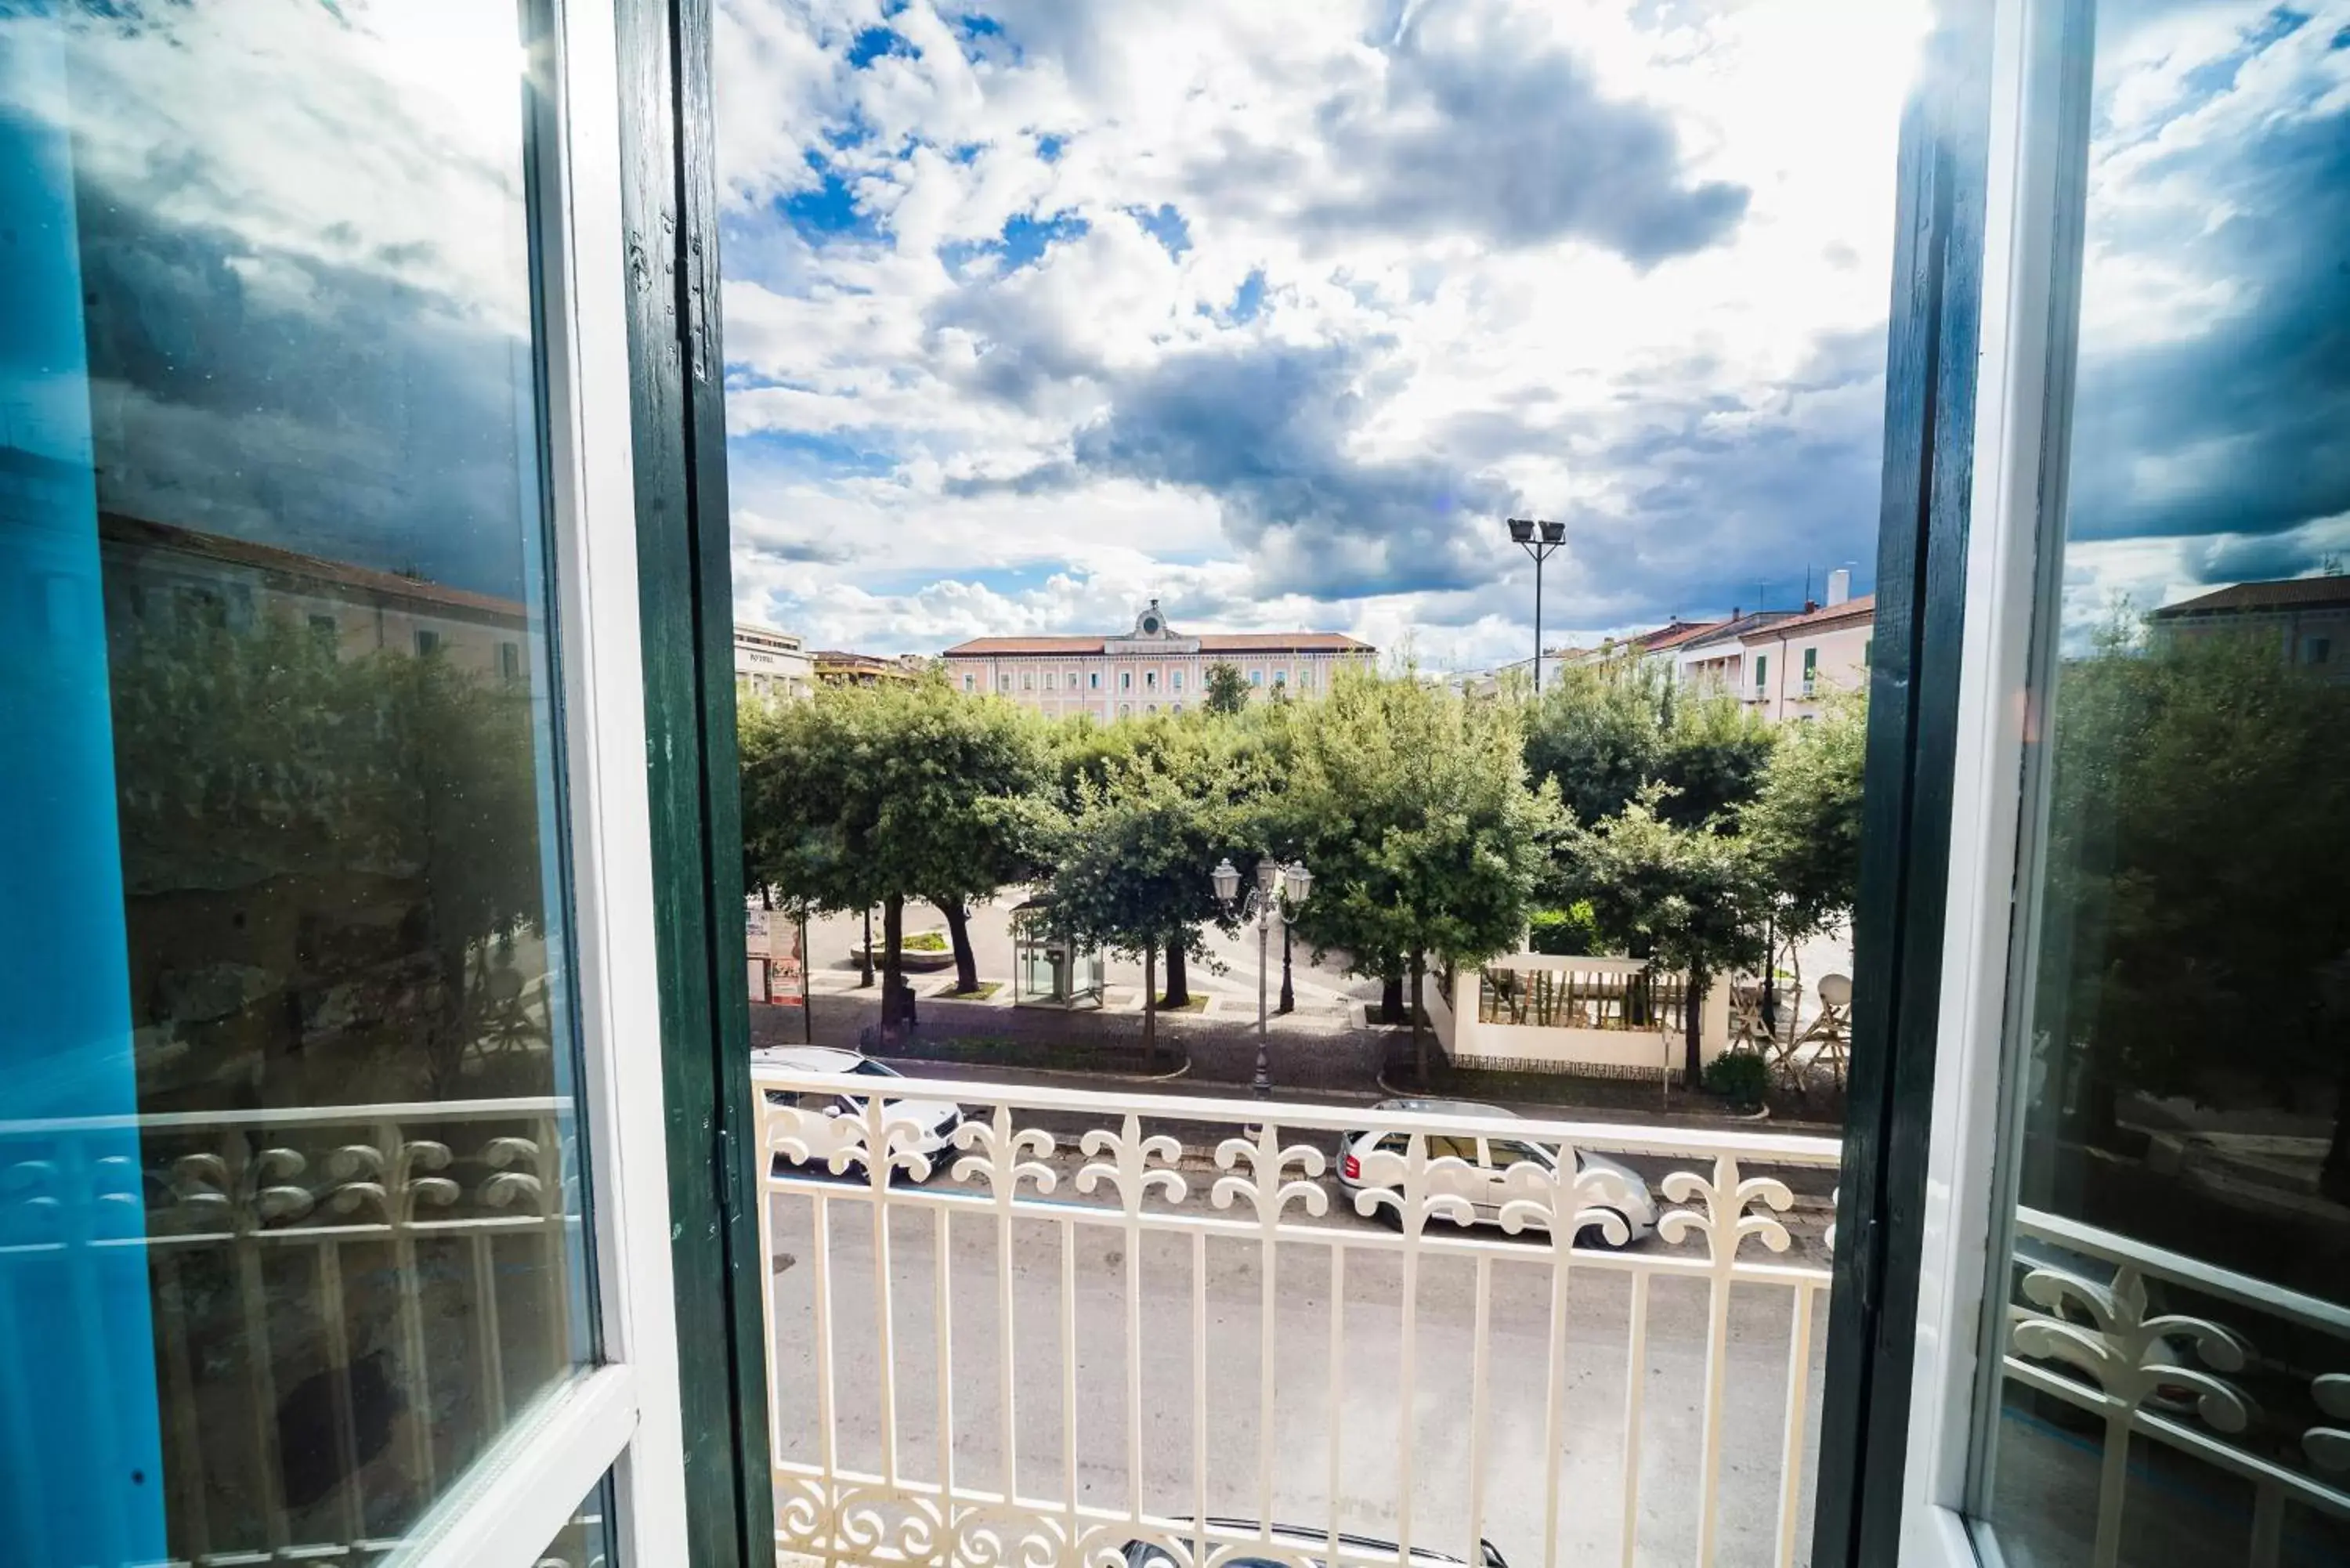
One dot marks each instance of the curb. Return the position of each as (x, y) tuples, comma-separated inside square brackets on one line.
[(1695, 1121)]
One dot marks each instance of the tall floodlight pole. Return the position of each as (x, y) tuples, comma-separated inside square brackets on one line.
[(1278, 890), (1538, 539)]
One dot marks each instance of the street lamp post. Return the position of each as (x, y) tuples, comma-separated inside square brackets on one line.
[(1522, 531), (1277, 889)]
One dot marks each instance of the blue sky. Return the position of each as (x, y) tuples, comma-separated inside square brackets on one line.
[(1040, 308)]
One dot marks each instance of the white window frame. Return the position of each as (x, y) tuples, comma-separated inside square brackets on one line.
[(1948, 1376), (622, 1416)]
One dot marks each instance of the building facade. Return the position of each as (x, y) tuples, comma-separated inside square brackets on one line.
[(1152, 668), (2308, 617), (1800, 663), (771, 664), (839, 667)]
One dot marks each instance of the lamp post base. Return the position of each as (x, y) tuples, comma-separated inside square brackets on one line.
[(1262, 1084)]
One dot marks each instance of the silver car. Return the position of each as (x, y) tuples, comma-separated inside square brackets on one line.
[(932, 1122), (1295, 1545), (1490, 1159)]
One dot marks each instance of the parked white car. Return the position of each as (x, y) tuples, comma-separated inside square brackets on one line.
[(933, 1122), (1490, 1159)]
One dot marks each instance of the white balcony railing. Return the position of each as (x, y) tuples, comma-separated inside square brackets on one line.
[(1041, 1327), (348, 1302), (2219, 1369)]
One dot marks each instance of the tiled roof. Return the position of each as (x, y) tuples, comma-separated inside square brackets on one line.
[(1234, 642), (982, 647), (1670, 637), (1861, 606), (1739, 626), (117, 528), (2292, 593), (1284, 643)]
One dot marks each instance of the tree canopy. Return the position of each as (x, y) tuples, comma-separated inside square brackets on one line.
[(1690, 897), (1805, 820), (1603, 731), (1412, 809), (868, 794), (1228, 689)]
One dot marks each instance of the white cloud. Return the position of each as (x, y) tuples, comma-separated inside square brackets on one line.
[(1502, 255)]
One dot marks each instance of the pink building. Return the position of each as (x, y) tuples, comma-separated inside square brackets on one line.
[(1152, 669), (1795, 663)]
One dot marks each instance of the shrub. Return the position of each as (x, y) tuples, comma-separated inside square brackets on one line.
[(1571, 932), (1740, 1077), (924, 943)]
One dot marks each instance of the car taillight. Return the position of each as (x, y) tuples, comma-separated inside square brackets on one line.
[(1351, 1168)]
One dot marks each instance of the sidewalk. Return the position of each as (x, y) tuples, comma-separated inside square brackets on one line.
[(1323, 1050)]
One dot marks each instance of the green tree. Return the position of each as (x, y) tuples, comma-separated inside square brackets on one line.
[(1805, 821), (1413, 808), (2195, 932), (1604, 732), (261, 770), (1132, 876), (1690, 897), (882, 794), (1228, 691)]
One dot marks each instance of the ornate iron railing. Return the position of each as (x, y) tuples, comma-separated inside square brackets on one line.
[(2239, 1373), (1038, 1326), (348, 1302)]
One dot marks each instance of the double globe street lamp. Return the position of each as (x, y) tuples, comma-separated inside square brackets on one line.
[(1278, 890)]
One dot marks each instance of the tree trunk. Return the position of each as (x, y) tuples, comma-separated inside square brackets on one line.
[(893, 930), (1693, 1029), (1391, 996), (2334, 1176), (1418, 1019), (1179, 978), (1150, 1008), (959, 933), (865, 954)]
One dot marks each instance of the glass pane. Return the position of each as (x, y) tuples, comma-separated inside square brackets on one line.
[(586, 1541), (2172, 1299), (289, 1167)]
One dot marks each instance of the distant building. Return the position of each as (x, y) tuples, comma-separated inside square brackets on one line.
[(837, 666), (1656, 648), (159, 573), (1778, 662), (1150, 670), (2308, 617), (1729, 657), (1808, 657), (772, 665)]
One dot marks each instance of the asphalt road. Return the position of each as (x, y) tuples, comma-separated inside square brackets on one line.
[(1370, 1451)]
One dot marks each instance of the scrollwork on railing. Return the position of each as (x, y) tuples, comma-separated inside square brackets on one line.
[(1266, 1187), (1123, 1159), (809, 1137), (1727, 1216), (1008, 1536), (2126, 1352), (1534, 1197), (2328, 1448), (998, 1157), (1414, 1189), (506, 1183), (241, 1192), (411, 1190)]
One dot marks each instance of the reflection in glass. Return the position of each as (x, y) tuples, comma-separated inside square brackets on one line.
[(586, 1541), (2175, 1309), (274, 437)]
